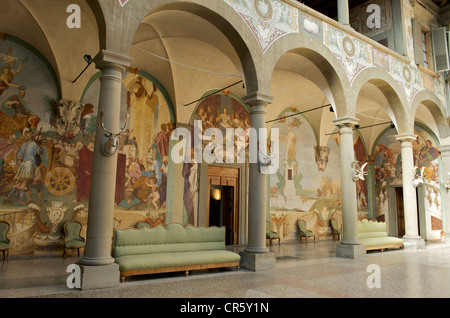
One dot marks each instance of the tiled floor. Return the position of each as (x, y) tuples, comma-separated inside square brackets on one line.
[(303, 270)]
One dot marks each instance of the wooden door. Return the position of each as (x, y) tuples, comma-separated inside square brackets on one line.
[(400, 212)]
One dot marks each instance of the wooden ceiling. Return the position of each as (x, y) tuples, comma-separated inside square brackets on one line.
[(329, 7), (441, 3)]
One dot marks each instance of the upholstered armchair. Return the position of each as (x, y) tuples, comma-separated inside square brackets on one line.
[(335, 228), (4, 240), (270, 235), (303, 232), (73, 239)]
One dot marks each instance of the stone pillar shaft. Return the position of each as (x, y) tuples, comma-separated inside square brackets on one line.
[(411, 239), (256, 255), (348, 186), (257, 181), (343, 12), (103, 174)]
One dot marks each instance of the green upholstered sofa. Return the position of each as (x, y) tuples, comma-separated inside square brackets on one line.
[(171, 249), (374, 236)]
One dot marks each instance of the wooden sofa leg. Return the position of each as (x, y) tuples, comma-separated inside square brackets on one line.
[(122, 279), (186, 273)]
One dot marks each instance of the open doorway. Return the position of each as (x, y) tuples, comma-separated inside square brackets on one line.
[(223, 205), (400, 212), (221, 210)]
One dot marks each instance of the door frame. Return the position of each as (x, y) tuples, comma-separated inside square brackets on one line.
[(204, 195), (392, 218)]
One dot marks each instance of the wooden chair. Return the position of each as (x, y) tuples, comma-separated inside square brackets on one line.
[(303, 232), (4, 240), (73, 239)]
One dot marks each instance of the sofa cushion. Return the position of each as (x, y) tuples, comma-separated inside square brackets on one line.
[(174, 238), (370, 242), (164, 260), (372, 234)]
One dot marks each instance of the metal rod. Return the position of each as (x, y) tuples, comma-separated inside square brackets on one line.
[(359, 128), (299, 113), (89, 63), (213, 93)]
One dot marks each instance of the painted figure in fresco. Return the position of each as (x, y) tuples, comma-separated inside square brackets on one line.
[(154, 192), (7, 146), (28, 161), (163, 186), (162, 141), (291, 141), (224, 120), (142, 189), (427, 155), (16, 107), (6, 77)]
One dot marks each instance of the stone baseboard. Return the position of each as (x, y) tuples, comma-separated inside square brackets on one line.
[(350, 251), (96, 277), (257, 261)]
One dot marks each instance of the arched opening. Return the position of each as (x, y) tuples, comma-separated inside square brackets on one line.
[(308, 96)]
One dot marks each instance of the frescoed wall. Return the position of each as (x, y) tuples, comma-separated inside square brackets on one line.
[(388, 173), (46, 150), (308, 185), (221, 111)]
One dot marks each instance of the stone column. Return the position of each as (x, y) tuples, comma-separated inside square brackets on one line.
[(411, 239), (343, 12), (256, 256), (445, 205), (349, 247), (97, 266)]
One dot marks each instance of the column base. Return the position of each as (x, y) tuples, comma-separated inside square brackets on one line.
[(413, 243), (97, 277), (350, 251), (257, 261)]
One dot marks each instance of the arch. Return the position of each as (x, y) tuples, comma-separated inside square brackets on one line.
[(148, 76), (436, 108), (397, 110), (332, 79), (101, 23), (218, 14)]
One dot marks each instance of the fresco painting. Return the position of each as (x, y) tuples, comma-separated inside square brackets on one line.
[(220, 110), (46, 152), (307, 185), (388, 172)]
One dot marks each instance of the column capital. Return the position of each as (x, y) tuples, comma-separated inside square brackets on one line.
[(406, 137), (258, 99), (445, 150), (107, 58), (346, 122)]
